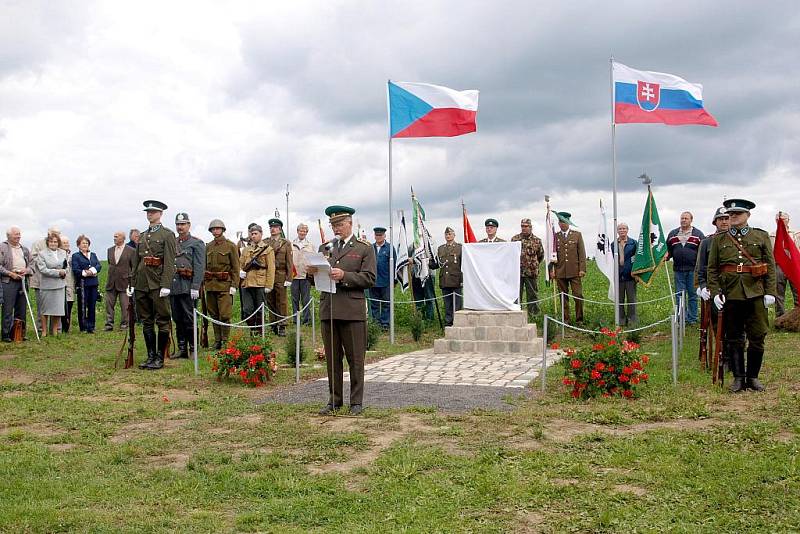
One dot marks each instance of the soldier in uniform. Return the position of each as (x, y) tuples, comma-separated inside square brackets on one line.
[(277, 300), (741, 277), (221, 279), (153, 270), (530, 258), (722, 223), (491, 232), (190, 266), (344, 313), (257, 275), (570, 266), (451, 279)]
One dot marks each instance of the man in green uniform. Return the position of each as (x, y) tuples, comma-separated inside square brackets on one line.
[(491, 232), (277, 299), (741, 276), (153, 269), (190, 265), (344, 313), (529, 260), (451, 278), (221, 279), (570, 266)]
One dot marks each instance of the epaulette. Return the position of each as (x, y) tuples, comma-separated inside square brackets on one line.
[(363, 241)]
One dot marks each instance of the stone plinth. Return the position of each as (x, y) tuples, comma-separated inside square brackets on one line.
[(489, 332)]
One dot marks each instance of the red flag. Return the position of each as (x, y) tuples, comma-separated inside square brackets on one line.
[(469, 235), (787, 257)]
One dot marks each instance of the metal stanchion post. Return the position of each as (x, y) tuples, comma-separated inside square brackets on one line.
[(263, 322), (313, 324), (194, 337), (684, 305), (673, 328), (544, 355), (297, 349), (562, 314)]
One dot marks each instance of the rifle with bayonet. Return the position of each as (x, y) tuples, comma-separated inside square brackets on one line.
[(705, 319), (204, 307), (717, 368)]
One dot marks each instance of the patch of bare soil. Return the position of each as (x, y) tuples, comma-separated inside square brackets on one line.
[(250, 419), (173, 460), (564, 481), (6, 357), (784, 436), (564, 430), (627, 488), (37, 429), (16, 376), (529, 522), (134, 430), (178, 395), (60, 447), (380, 440)]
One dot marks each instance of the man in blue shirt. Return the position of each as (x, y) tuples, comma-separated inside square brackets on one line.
[(627, 285), (379, 293)]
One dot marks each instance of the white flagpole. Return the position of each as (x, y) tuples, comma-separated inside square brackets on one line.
[(391, 219), (614, 180)]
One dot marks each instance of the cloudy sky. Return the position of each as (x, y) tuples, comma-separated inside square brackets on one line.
[(215, 107)]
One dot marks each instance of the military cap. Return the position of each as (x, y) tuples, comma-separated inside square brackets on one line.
[(216, 223), (154, 205), (379, 230), (275, 222), (735, 205), (256, 227), (449, 230), (526, 221), (182, 218), (251, 226), (337, 213), (722, 211), (491, 222), (564, 216)]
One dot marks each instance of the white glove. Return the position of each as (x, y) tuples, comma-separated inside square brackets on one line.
[(232, 291), (93, 271), (85, 273), (194, 294), (769, 300), (267, 289), (164, 292), (287, 283), (242, 275), (719, 301), (129, 291), (703, 293)]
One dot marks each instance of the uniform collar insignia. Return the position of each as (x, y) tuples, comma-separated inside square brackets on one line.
[(154, 228), (744, 231)]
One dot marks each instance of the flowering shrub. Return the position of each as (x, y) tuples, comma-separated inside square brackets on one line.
[(245, 359), (612, 368)]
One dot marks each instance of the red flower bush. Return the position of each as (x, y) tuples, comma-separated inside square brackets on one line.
[(615, 368), (253, 364)]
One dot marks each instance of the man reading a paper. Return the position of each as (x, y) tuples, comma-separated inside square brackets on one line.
[(343, 308)]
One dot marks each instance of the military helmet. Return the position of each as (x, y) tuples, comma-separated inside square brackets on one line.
[(216, 223), (182, 218), (722, 211)]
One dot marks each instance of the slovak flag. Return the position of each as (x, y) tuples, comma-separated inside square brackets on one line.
[(426, 110), (646, 96)]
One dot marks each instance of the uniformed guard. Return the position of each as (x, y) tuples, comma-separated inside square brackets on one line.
[(722, 223), (384, 281), (153, 270), (257, 276), (277, 300), (344, 313), (221, 279), (531, 256), (491, 232), (451, 279), (741, 277), (190, 266), (570, 266)]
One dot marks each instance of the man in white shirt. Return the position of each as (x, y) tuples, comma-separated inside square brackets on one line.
[(15, 265), (301, 286), (120, 265)]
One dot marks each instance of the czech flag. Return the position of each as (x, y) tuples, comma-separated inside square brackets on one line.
[(646, 96), (426, 110)]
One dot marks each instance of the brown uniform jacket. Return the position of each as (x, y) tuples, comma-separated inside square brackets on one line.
[(357, 259), (450, 274), (571, 255), (283, 259), (119, 274), (222, 256), (154, 243), (258, 261), (496, 240)]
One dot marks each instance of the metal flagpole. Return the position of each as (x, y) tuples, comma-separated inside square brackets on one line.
[(620, 253), (287, 210), (391, 220)]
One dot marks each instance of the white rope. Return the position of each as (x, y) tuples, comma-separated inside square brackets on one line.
[(284, 317), (553, 320), (251, 315), (551, 297), (240, 325), (611, 303), (440, 297)]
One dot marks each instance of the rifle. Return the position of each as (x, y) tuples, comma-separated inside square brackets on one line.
[(705, 319), (717, 370), (130, 337), (204, 308)]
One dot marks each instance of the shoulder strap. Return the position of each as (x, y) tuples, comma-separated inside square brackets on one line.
[(741, 249)]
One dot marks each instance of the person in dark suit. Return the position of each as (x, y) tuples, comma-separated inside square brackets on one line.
[(344, 313), (85, 267), (379, 293), (120, 264)]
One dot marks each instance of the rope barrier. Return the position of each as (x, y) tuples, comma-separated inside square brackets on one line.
[(251, 315), (611, 303), (240, 325), (551, 319)]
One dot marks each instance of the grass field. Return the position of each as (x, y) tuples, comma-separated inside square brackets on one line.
[(85, 448)]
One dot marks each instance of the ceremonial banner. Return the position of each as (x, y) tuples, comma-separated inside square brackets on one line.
[(550, 254), (647, 96), (652, 247), (491, 275), (424, 251), (787, 256), (401, 269), (427, 110), (469, 235), (603, 256)]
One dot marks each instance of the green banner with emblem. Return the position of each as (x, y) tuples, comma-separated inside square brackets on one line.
[(652, 247)]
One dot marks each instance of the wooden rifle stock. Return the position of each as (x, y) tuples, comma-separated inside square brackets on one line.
[(131, 333), (204, 308), (717, 370), (705, 319)]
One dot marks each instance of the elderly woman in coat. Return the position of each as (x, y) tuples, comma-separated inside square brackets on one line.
[(85, 267), (51, 264), (69, 290)]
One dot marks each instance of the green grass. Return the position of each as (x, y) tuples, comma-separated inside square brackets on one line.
[(85, 448)]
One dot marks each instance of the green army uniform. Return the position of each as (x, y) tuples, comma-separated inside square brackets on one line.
[(344, 314), (451, 279), (222, 274), (153, 270), (277, 299), (570, 263), (745, 312), (492, 222), (531, 256)]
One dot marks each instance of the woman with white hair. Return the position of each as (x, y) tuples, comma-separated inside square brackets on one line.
[(51, 264), (69, 290)]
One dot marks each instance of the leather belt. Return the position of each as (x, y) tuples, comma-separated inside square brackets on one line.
[(153, 261), (739, 268), (217, 275)]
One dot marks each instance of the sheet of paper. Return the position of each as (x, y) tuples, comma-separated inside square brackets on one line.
[(322, 278)]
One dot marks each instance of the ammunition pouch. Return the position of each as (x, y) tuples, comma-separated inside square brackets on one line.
[(185, 272), (222, 276), (152, 261)]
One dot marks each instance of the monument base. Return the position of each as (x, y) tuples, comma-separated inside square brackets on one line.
[(489, 332)]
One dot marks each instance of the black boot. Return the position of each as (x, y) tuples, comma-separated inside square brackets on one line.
[(182, 352), (754, 359), (163, 346), (281, 331), (737, 367), (150, 343)]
